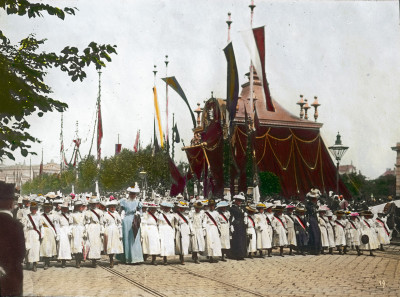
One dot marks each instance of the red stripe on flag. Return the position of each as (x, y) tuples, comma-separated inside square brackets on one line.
[(259, 37)]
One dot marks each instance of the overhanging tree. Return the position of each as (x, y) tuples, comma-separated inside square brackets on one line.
[(23, 91)]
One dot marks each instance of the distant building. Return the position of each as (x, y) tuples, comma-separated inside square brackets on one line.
[(347, 169), (21, 173), (389, 171)]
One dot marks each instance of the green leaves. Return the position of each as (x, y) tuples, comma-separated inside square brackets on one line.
[(23, 69)]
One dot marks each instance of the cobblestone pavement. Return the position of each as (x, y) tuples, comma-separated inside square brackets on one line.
[(325, 275)]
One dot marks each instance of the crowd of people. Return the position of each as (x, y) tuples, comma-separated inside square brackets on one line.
[(135, 231)]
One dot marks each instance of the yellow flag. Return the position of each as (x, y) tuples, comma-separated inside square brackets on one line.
[(158, 117)]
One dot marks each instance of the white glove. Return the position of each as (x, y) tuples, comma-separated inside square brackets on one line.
[(232, 229), (2, 272)]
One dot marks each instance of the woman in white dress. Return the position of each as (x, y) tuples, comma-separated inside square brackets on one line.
[(49, 229), (368, 228), (353, 227), (94, 231), (329, 227), (64, 243), (166, 231), (212, 239), (280, 229), (224, 227), (339, 229), (382, 230), (112, 224), (251, 231), (198, 231), (182, 226), (291, 235), (151, 236), (33, 236), (78, 232), (323, 228)]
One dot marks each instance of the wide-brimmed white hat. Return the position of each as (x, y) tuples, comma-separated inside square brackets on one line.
[(239, 197)]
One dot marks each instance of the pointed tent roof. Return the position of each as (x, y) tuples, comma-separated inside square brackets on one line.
[(281, 117)]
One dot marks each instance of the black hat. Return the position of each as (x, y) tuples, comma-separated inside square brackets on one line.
[(6, 191)]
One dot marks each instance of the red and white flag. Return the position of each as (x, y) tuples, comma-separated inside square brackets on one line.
[(255, 43), (136, 145)]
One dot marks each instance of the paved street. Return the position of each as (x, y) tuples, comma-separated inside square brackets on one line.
[(325, 275)]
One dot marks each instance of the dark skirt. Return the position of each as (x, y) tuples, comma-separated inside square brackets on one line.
[(314, 233)]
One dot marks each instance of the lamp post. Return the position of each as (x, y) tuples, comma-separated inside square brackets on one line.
[(338, 151)]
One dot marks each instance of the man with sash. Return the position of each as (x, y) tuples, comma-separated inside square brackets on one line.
[(301, 229), (183, 229), (224, 228), (340, 231), (280, 229), (212, 239), (33, 236), (50, 234), (382, 230), (64, 243), (238, 228), (94, 231), (167, 232)]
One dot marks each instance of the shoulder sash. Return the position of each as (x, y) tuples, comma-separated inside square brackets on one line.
[(211, 218), (166, 219), (182, 217), (98, 216), (300, 221), (51, 224), (338, 223), (154, 217), (224, 216), (34, 226), (383, 225)]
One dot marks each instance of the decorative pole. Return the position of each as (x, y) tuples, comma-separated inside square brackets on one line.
[(301, 104), (166, 96), (229, 22), (62, 144), (315, 105), (306, 108), (99, 124), (252, 6), (173, 136)]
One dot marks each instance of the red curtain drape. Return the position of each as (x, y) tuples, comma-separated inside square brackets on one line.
[(297, 156)]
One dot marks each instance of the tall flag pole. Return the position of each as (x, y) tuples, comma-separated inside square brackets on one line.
[(41, 165), (62, 154), (118, 147), (99, 123), (157, 109), (173, 138), (166, 96), (252, 6)]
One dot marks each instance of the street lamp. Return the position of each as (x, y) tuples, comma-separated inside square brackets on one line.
[(338, 151)]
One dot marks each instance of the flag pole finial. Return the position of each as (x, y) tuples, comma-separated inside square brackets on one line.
[(155, 73), (229, 22), (252, 6)]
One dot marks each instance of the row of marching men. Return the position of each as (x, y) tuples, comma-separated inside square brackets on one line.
[(59, 234)]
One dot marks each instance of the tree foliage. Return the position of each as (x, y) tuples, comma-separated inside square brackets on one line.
[(269, 184), (23, 68)]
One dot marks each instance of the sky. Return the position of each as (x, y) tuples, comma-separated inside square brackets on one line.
[(344, 52)]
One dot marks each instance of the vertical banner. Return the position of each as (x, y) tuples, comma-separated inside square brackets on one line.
[(158, 117)]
